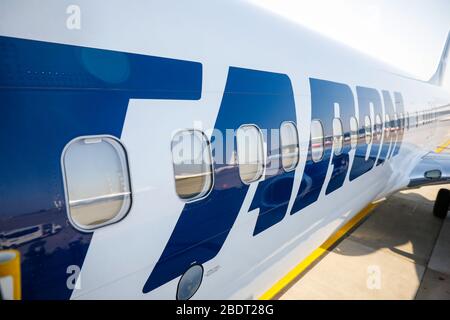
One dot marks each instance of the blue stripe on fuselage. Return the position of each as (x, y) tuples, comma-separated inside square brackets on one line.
[(256, 97), (324, 95), (49, 94), (366, 97)]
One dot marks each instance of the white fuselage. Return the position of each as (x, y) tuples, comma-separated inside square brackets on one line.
[(220, 35)]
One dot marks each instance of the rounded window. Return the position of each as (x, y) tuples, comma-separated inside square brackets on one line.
[(189, 282), (97, 181), (407, 121), (395, 125), (316, 140), (387, 126), (338, 138), (192, 164), (250, 152), (378, 126), (368, 129), (353, 132), (289, 146)]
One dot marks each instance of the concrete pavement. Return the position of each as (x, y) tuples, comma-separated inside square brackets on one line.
[(400, 251)]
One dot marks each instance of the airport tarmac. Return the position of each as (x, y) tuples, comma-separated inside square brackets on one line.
[(399, 251)]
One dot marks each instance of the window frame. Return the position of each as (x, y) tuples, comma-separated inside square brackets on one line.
[(407, 120), (396, 122), (378, 127), (366, 135), (323, 141), (341, 149), (401, 120), (119, 217), (264, 160), (208, 146), (298, 147), (354, 133), (387, 126)]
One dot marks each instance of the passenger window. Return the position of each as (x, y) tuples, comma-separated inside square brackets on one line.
[(192, 164), (368, 129), (387, 126), (97, 181), (338, 138), (378, 126), (289, 146), (316, 140), (250, 150), (353, 132), (395, 125), (407, 120)]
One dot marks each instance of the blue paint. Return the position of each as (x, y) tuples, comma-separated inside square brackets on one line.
[(273, 194), (366, 97), (324, 94), (49, 94), (250, 97)]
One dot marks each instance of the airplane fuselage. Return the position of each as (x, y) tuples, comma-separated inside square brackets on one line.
[(139, 74)]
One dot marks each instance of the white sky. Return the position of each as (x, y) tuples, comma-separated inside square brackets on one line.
[(409, 34)]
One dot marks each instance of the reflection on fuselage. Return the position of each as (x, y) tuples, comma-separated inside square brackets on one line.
[(16, 237)]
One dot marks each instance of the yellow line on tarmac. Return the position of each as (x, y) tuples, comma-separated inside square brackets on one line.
[(442, 147), (303, 265)]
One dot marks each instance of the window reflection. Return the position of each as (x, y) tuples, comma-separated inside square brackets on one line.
[(387, 126), (337, 136), (250, 153), (289, 146), (353, 132), (192, 164), (316, 140), (368, 129), (97, 181), (378, 126)]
